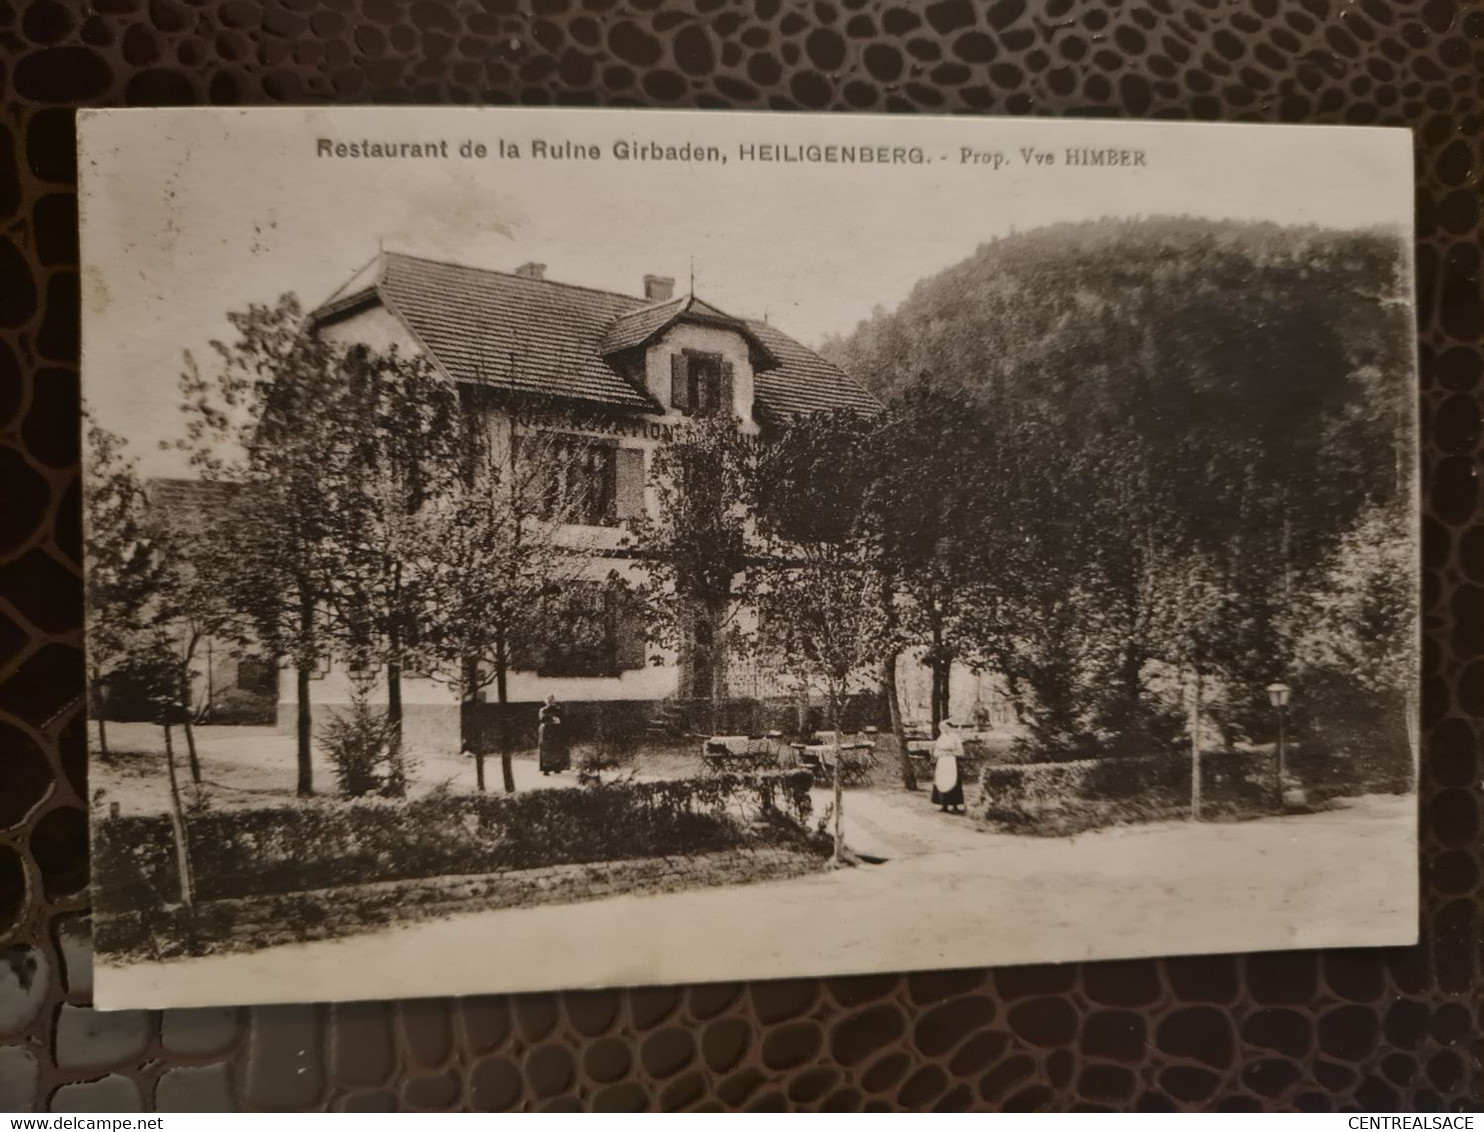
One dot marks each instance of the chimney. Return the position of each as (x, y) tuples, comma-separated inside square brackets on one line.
[(658, 288), (531, 271)]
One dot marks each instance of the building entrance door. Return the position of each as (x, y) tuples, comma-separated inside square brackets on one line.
[(699, 669)]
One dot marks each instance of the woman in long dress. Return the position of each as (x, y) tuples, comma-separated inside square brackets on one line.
[(550, 742), (948, 787)]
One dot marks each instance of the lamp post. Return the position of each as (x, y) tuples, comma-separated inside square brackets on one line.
[(1278, 696)]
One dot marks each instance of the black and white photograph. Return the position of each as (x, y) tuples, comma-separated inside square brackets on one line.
[(535, 549)]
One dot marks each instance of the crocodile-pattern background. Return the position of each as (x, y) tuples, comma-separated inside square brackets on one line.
[(1342, 1029)]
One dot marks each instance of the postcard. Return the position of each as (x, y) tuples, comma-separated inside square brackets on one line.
[(535, 549)]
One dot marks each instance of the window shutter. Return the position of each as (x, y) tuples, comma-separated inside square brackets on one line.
[(511, 470), (632, 643), (725, 407), (630, 474), (680, 382), (535, 470), (605, 457)]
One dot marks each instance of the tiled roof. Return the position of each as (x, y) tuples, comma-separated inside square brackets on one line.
[(525, 335), (637, 327), (803, 382), (552, 339)]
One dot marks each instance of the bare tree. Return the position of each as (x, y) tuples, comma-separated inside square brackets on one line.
[(501, 552)]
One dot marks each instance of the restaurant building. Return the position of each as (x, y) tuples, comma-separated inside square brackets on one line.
[(616, 375)]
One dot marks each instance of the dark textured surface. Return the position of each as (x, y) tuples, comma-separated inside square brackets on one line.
[(1376, 1029)]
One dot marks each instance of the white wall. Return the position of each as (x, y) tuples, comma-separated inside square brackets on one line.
[(337, 687), (652, 682), (703, 339), (374, 326)]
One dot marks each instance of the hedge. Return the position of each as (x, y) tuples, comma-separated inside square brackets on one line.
[(238, 853), (1152, 786), (1043, 789)]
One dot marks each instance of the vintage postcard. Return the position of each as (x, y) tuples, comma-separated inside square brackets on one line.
[(534, 549)]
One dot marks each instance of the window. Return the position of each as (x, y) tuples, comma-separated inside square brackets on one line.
[(593, 631), (581, 484), (594, 482), (701, 384), (257, 674)]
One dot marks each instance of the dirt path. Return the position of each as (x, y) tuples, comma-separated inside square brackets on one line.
[(953, 896), (894, 824)]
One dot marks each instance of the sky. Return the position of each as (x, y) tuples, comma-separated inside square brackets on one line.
[(189, 214)]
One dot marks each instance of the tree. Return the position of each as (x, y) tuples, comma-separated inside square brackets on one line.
[(1362, 612), (153, 671), (818, 597), (501, 558), (931, 497), (124, 569), (1357, 627), (199, 561), (390, 446), (259, 423), (698, 547)]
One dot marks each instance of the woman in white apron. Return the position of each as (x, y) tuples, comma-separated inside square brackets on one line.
[(948, 787)]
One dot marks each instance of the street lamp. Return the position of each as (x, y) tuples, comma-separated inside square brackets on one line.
[(1278, 696)]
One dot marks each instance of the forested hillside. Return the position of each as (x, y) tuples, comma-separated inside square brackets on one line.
[(1198, 467)]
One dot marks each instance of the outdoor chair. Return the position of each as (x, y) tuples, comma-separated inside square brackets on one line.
[(731, 754), (857, 756)]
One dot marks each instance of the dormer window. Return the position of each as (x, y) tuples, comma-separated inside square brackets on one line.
[(700, 384)]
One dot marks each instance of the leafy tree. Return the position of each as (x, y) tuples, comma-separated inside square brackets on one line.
[(931, 500), (391, 444), (199, 562), (124, 570), (1362, 611), (698, 546), (153, 670), (1357, 627), (819, 600), (259, 422)]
